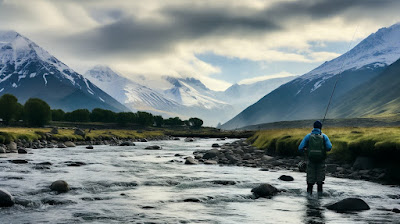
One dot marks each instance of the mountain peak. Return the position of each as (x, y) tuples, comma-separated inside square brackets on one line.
[(103, 73)]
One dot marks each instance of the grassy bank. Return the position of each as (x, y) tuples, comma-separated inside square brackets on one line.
[(13, 133), (381, 143)]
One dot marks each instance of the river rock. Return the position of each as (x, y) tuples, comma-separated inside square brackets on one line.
[(6, 199), (211, 154), (192, 200), (79, 132), (363, 163), (12, 147), (396, 210), (224, 182), (60, 186), (189, 139), (286, 178), (127, 143), (210, 162), (22, 151), (61, 145), (54, 131), (215, 145), (264, 191), (349, 205), (18, 161), (176, 139), (69, 144), (2, 150), (153, 147), (190, 161), (89, 147)]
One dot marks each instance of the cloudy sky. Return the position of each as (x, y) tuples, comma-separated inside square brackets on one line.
[(220, 42)]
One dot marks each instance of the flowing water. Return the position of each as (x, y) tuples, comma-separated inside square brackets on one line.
[(133, 185)]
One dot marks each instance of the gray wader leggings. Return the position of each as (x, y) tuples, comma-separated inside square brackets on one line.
[(315, 172)]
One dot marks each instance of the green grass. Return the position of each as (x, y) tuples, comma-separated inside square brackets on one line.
[(12, 133), (378, 142)]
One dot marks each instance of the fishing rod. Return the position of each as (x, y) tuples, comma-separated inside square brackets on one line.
[(338, 76)]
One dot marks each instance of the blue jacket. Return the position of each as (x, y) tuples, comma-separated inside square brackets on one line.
[(304, 143)]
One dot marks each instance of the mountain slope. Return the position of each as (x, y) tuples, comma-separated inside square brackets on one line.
[(378, 96), (307, 96), (27, 70), (133, 95)]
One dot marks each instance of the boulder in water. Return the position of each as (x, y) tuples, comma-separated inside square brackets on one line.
[(215, 145), (61, 145), (69, 144), (190, 161), (89, 147), (189, 139), (211, 154), (349, 205), (6, 199), (127, 143), (60, 186), (22, 151), (396, 210), (2, 150), (153, 147), (192, 200), (264, 191), (286, 178), (18, 161)]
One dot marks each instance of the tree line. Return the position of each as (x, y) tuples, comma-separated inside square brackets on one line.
[(36, 112)]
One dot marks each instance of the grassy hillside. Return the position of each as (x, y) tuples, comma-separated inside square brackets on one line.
[(382, 143)]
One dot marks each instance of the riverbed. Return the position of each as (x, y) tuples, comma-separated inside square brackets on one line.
[(128, 184)]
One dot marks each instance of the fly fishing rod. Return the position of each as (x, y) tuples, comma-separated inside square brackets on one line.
[(338, 76)]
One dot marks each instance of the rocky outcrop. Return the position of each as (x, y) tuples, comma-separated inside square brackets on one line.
[(264, 191), (69, 144), (349, 205), (190, 161), (6, 199), (60, 186)]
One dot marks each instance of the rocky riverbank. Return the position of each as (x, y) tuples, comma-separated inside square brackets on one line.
[(241, 153)]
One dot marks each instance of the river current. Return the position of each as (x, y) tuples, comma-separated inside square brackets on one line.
[(132, 185)]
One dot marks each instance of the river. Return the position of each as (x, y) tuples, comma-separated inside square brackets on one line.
[(132, 185)]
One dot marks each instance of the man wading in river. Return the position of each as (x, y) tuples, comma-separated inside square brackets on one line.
[(315, 144)]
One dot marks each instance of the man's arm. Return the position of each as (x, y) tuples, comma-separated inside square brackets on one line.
[(304, 143), (328, 144)]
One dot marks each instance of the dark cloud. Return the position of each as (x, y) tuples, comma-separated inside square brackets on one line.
[(185, 23)]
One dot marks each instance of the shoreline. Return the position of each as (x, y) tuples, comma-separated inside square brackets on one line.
[(241, 153)]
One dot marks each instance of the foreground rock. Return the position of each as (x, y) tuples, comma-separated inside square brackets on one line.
[(190, 161), (6, 199), (264, 191), (286, 178), (349, 205), (60, 186)]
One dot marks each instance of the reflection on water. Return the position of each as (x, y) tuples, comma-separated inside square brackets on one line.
[(314, 213), (134, 185)]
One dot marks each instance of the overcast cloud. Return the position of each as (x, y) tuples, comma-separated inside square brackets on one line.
[(157, 38)]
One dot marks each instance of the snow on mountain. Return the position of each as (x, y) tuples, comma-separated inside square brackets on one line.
[(27, 70), (306, 97), (130, 93), (191, 92), (379, 49)]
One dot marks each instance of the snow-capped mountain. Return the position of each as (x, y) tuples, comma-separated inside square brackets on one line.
[(27, 70), (307, 96), (133, 95)]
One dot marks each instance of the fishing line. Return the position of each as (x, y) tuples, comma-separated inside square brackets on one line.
[(338, 76)]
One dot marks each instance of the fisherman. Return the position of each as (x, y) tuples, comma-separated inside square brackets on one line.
[(315, 144)]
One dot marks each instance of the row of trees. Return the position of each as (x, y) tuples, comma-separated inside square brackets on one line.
[(36, 112)]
